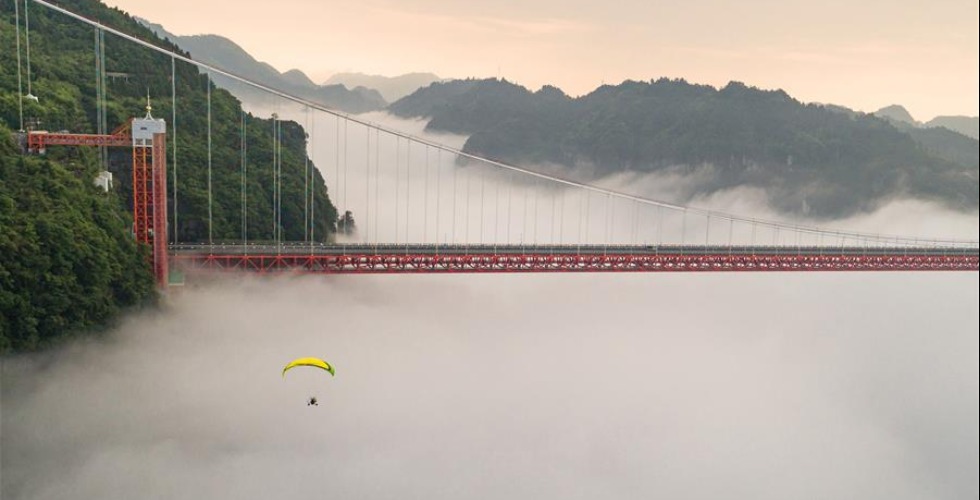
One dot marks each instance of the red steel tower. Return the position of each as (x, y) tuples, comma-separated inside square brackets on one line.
[(148, 138), (149, 142)]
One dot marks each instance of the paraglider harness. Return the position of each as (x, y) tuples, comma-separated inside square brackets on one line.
[(312, 401)]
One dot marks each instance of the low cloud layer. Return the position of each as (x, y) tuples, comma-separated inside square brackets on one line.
[(402, 193), (571, 386)]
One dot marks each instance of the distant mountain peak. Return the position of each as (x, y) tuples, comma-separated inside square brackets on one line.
[(898, 113), (966, 125), (391, 88), (228, 55), (297, 77)]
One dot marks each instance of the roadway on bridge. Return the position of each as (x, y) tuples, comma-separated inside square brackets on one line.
[(510, 249)]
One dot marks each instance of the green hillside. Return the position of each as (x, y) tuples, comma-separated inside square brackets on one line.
[(68, 262), (808, 158), (63, 70)]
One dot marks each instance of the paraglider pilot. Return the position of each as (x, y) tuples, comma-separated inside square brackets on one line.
[(314, 362)]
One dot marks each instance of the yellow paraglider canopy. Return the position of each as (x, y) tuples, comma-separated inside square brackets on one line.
[(314, 362)]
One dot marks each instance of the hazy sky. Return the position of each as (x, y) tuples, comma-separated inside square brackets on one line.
[(922, 54)]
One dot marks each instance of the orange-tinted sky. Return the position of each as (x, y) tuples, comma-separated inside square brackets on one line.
[(865, 54)]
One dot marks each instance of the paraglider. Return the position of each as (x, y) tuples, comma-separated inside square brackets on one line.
[(311, 362), (314, 362)]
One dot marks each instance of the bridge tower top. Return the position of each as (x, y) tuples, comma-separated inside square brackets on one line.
[(143, 129)]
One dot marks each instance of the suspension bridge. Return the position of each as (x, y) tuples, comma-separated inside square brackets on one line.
[(429, 207)]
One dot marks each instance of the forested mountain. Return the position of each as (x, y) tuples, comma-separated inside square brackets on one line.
[(75, 243), (226, 54), (808, 158), (68, 262), (937, 140)]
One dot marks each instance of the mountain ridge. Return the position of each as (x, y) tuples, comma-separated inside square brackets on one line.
[(965, 125), (224, 53), (810, 159), (391, 88)]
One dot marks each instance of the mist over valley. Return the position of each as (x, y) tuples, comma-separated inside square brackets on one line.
[(766, 385)]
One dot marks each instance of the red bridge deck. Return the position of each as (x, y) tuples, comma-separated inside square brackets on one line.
[(431, 259)]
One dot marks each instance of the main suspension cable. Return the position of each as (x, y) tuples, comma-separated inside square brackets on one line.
[(498, 164)]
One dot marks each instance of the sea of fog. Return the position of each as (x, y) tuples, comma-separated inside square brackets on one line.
[(769, 386)]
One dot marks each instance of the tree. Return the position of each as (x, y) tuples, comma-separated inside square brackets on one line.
[(346, 224)]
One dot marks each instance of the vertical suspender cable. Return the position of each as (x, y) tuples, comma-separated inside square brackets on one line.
[(660, 225), (636, 222), (453, 228), (707, 228), (20, 84), (535, 220), (588, 215), (496, 211), (453, 225), (561, 218), (273, 165), (241, 176), (173, 127), (438, 193), (346, 202), (27, 38), (306, 175), (578, 231), (684, 228), (312, 179), (377, 182), (510, 204), (105, 98), (554, 206), (279, 225), (275, 180), (425, 198), (245, 179), (336, 163), (483, 184), (731, 231), (275, 171), (210, 191), (524, 223), (398, 182), (98, 93), (408, 187), (278, 143), (611, 210), (367, 184)]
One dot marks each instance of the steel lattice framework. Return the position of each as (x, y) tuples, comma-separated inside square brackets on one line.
[(542, 263), (148, 140)]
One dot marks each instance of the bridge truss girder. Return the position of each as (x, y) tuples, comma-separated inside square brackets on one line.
[(537, 263)]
